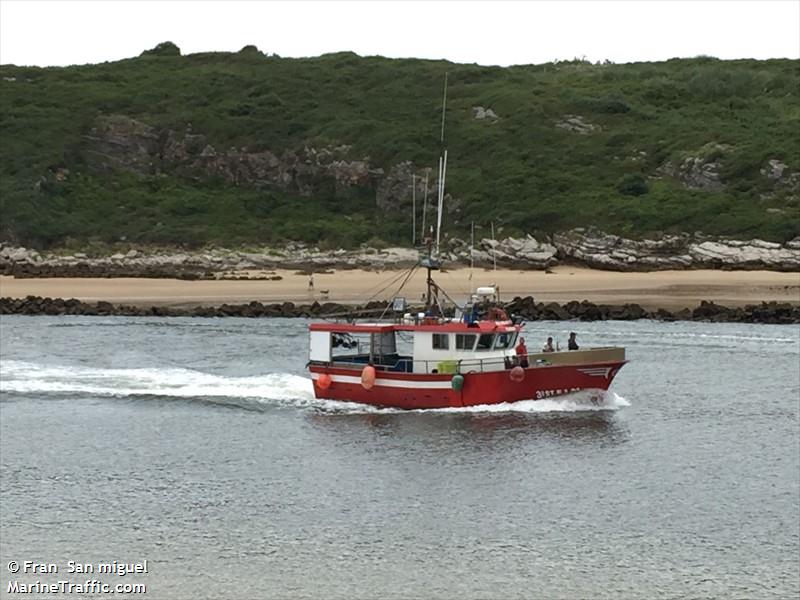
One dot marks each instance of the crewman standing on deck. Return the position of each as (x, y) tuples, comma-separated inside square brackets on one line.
[(572, 343), (522, 353)]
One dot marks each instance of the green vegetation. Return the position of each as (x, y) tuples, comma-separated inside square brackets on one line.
[(520, 171)]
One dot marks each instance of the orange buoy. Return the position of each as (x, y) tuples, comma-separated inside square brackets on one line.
[(324, 381), (368, 377), (517, 374)]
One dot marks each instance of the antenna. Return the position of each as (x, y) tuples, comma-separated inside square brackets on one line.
[(432, 261), (442, 169), (413, 210), (438, 202)]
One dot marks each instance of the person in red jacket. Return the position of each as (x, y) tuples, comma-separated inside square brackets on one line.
[(522, 353)]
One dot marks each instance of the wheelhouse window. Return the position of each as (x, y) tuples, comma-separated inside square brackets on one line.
[(485, 341), (440, 341), (465, 341), (503, 340)]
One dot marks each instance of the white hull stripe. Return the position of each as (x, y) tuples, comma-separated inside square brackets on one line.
[(596, 371), (392, 383)]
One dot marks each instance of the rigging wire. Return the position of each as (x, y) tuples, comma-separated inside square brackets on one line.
[(389, 281), (395, 279), (402, 285), (365, 311), (455, 282)]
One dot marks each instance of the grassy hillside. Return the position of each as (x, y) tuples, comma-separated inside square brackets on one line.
[(520, 171)]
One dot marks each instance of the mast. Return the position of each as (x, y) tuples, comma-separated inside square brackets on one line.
[(425, 201), (429, 280), (442, 176)]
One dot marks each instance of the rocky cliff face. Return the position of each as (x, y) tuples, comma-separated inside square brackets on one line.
[(120, 142), (588, 248)]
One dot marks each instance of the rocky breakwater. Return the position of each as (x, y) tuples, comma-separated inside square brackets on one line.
[(766, 312), (526, 308), (36, 305)]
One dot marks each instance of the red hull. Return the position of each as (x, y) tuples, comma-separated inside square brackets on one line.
[(418, 391)]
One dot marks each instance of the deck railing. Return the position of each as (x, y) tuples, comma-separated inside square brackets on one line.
[(535, 360)]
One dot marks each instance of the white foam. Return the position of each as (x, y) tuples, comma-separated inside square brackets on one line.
[(23, 377), (274, 388), (582, 401), (585, 400)]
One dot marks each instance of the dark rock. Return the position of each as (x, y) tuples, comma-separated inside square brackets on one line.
[(554, 311), (772, 312)]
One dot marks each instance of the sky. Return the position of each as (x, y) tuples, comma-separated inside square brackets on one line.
[(64, 32)]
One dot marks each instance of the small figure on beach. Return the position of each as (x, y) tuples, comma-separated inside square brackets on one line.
[(548, 346), (522, 353), (572, 343), (311, 282)]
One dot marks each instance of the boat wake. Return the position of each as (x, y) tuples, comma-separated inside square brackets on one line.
[(70, 381), (255, 392), (585, 400)]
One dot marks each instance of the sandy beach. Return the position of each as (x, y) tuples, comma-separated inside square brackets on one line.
[(671, 290)]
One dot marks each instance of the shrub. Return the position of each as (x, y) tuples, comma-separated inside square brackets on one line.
[(376, 242), (251, 50), (632, 185), (163, 49)]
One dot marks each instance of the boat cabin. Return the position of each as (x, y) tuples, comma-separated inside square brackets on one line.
[(438, 347)]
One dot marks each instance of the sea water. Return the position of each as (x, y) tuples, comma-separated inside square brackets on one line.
[(197, 445)]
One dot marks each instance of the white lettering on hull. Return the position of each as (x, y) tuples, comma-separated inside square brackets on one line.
[(557, 392)]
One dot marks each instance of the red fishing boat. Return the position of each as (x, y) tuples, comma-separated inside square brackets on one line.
[(425, 360), (451, 365)]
